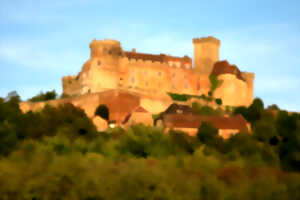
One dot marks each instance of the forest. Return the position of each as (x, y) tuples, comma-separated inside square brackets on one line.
[(57, 153)]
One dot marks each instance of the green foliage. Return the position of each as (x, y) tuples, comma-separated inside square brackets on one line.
[(255, 110), (49, 95), (253, 113), (8, 139), (214, 83), (59, 155), (206, 110), (102, 111), (218, 101), (185, 97), (288, 127), (264, 131), (179, 97), (207, 132)]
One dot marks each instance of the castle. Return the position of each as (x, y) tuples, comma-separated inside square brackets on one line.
[(110, 67)]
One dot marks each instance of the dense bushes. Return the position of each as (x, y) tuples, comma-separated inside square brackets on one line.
[(14, 125), (56, 168)]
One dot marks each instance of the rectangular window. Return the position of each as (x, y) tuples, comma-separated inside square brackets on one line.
[(198, 86)]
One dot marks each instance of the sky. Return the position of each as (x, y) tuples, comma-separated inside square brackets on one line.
[(41, 41)]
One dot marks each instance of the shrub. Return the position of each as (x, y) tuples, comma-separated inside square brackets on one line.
[(50, 95), (218, 101), (207, 132)]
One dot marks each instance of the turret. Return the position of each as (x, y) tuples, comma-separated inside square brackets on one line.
[(206, 53), (249, 78), (103, 47)]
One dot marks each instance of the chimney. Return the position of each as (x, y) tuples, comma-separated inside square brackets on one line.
[(133, 50)]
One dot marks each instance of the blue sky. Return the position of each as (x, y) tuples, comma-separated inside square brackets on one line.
[(41, 41)]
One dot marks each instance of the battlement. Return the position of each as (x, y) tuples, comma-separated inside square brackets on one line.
[(106, 46), (206, 40)]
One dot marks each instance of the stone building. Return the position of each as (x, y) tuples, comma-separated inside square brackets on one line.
[(110, 67)]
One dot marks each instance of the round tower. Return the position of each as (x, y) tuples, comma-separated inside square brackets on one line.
[(206, 53), (103, 47)]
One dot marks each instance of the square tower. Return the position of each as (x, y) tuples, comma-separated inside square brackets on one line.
[(206, 54)]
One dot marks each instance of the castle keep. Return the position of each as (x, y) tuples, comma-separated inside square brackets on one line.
[(110, 67)]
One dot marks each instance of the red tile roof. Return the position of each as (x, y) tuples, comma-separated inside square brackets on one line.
[(140, 109), (194, 121), (223, 67)]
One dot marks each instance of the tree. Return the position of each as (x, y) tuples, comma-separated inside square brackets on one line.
[(264, 131), (8, 139), (102, 111), (207, 132), (241, 110), (255, 110), (50, 95)]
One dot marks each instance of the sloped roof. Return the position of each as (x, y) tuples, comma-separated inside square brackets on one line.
[(140, 109), (223, 67), (177, 108), (195, 121)]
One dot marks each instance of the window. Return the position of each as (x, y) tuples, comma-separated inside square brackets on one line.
[(179, 111), (132, 80), (173, 75), (187, 66), (99, 62), (185, 86), (147, 83), (185, 76), (159, 73), (145, 73), (198, 86)]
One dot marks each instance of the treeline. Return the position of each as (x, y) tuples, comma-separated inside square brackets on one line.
[(57, 153)]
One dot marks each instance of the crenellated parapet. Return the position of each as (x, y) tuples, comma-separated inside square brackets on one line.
[(105, 47), (206, 54), (208, 39)]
